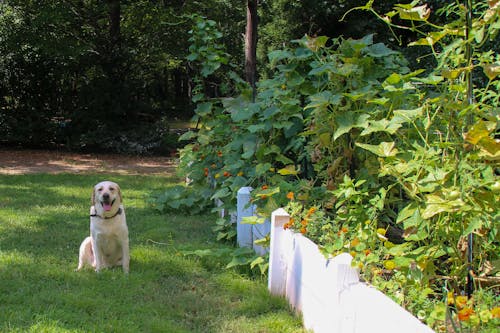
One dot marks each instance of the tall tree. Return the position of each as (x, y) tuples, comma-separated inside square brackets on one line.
[(251, 44), (114, 23)]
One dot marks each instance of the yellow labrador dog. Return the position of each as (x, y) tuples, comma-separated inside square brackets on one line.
[(107, 244)]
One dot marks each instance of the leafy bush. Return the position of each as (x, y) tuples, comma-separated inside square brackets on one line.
[(396, 166)]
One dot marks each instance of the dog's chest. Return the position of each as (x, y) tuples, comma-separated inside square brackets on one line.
[(109, 234)]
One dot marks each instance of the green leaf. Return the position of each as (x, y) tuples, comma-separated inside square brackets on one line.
[(379, 50), (382, 125), (392, 79), (431, 38), (222, 193), (203, 109), (479, 131), (189, 135), (406, 212), (288, 170), (473, 225), (403, 262), (490, 146), (384, 149), (283, 159), (322, 100), (262, 168), (244, 113), (421, 234), (249, 146), (408, 115), (253, 220), (491, 70), (400, 249), (431, 79), (239, 261), (268, 192), (347, 121), (329, 67), (294, 79), (436, 204), (379, 101), (408, 12), (278, 55), (257, 128), (257, 261)]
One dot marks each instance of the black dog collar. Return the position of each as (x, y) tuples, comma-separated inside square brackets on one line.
[(118, 212)]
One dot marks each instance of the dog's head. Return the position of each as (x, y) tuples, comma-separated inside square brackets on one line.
[(106, 198)]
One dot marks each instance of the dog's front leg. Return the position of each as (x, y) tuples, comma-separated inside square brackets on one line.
[(99, 261), (125, 256)]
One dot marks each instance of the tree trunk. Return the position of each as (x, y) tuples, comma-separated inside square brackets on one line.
[(114, 24), (251, 45)]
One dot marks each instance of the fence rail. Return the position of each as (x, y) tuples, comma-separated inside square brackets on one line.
[(327, 292)]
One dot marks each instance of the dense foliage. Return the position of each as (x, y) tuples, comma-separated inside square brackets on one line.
[(73, 74), (112, 75), (397, 166)]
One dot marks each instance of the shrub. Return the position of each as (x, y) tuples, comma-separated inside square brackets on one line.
[(396, 166)]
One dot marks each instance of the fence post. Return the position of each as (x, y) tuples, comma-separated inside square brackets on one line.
[(244, 235), (278, 260)]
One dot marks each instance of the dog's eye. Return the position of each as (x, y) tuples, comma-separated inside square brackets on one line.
[(99, 189), (111, 188)]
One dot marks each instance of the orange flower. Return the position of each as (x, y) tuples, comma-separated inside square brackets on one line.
[(344, 229), (303, 222), (495, 312), (355, 242), (289, 224), (311, 211), (465, 313), (219, 153), (290, 196), (367, 252), (227, 174), (303, 230), (264, 187)]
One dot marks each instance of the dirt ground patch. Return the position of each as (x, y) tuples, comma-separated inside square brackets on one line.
[(17, 162)]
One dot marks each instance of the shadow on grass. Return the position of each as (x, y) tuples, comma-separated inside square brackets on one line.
[(42, 222)]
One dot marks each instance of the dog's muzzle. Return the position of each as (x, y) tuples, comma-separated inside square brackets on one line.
[(106, 202)]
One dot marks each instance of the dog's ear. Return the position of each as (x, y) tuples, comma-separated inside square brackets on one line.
[(92, 198), (119, 192)]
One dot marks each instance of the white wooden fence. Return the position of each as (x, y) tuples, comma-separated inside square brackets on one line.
[(327, 292), (247, 234)]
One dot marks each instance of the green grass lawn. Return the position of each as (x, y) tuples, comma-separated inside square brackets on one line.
[(43, 219)]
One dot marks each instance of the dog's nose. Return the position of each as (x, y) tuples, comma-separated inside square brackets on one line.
[(105, 196)]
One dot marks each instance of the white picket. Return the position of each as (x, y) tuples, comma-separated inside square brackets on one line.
[(327, 292), (247, 234), (244, 236)]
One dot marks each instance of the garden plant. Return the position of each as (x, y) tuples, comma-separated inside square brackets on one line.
[(394, 163)]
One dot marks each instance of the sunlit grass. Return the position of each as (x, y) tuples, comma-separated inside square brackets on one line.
[(43, 219)]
